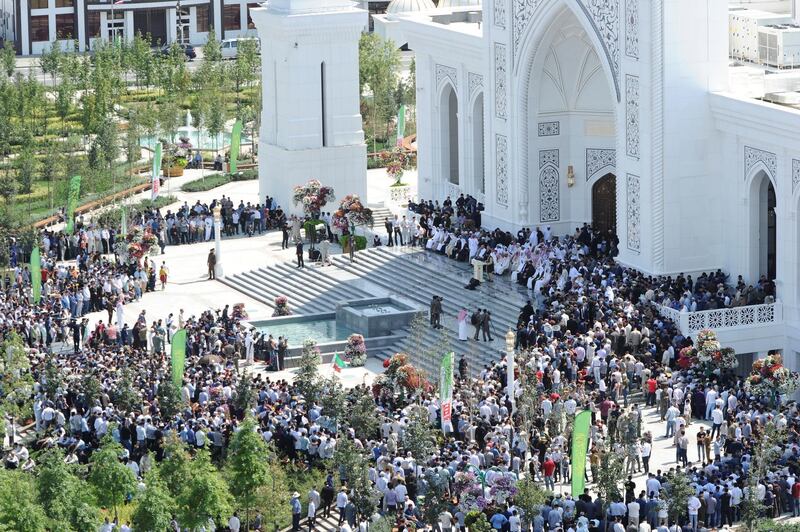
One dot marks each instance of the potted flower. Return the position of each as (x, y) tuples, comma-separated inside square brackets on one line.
[(355, 351), (281, 307), (397, 162), (174, 157)]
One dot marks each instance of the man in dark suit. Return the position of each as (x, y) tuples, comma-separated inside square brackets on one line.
[(477, 322), (300, 263), (389, 231)]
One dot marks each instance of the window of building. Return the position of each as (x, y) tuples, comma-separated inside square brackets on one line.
[(250, 24), (202, 19), (40, 28), (64, 3), (232, 19), (65, 26), (93, 24), (39, 4)]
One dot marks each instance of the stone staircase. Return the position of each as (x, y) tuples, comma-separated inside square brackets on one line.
[(418, 276), (379, 216), (309, 289)]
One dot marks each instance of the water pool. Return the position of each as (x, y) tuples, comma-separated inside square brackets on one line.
[(321, 330)]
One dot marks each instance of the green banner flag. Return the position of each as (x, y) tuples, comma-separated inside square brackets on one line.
[(73, 195), (178, 356), (156, 171), (446, 387), (236, 141), (36, 275), (401, 124), (580, 448)]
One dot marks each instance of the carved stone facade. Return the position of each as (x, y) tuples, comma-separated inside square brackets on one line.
[(500, 72), (522, 14), (632, 28), (445, 72), (501, 169), (795, 174), (632, 116), (604, 15), (634, 208), (549, 196), (599, 158), (753, 156), (499, 13), (549, 129), (475, 82)]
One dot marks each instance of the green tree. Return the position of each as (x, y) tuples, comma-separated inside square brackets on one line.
[(169, 398), (15, 379), (112, 480), (155, 505), (307, 380), (176, 468), (245, 68), (332, 399), (245, 396), (677, 492), (141, 60), (26, 167), (529, 498), (247, 467), (212, 50), (126, 395), (50, 61), (766, 453), (215, 117), (205, 496), (418, 436), (19, 509), (64, 495), (609, 477), (133, 135), (363, 417), (379, 61), (8, 58)]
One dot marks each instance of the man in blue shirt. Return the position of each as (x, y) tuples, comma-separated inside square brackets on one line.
[(296, 510), (498, 521)]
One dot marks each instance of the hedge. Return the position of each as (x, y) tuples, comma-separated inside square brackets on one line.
[(217, 180), (361, 242), (113, 217)]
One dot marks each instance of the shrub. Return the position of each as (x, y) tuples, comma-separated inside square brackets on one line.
[(210, 181), (361, 242)]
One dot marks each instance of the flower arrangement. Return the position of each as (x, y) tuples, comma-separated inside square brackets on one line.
[(136, 244), (351, 212), (313, 196), (396, 161), (470, 492), (769, 377), (707, 354), (355, 351), (503, 488), (400, 376), (239, 312), (281, 307)]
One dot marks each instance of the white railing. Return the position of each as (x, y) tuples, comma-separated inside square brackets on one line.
[(689, 323)]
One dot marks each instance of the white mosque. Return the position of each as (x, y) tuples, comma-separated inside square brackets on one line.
[(674, 122)]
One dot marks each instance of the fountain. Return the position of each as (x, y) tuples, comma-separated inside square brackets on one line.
[(198, 138)]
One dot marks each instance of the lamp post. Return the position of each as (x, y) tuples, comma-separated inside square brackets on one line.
[(218, 271), (510, 338)]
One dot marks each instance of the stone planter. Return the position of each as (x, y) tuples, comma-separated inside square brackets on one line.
[(400, 195)]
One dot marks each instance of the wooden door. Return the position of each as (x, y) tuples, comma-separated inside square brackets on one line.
[(604, 203)]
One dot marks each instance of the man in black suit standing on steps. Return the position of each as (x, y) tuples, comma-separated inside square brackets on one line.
[(300, 263)]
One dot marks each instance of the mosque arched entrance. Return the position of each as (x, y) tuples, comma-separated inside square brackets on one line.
[(604, 203)]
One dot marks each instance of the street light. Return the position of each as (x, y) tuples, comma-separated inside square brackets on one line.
[(218, 272)]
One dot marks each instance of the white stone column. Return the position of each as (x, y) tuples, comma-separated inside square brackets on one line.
[(81, 25), (172, 22), (24, 25), (129, 32), (217, 9)]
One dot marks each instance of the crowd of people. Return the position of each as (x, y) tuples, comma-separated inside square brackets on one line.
[(589, 339)]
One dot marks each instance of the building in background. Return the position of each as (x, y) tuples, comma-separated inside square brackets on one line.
[(34, 24)]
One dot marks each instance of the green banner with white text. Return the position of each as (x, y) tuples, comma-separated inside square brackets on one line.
[(73, 195), (156, 172), (36, 275), (236, 141), (401, 124), (178, 356), (446, 388), (580, 448)]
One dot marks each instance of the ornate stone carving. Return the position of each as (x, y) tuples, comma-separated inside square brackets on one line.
[(599, 158), (632, 116), (501, 168), (549, 201), (500, 97), (475, 82), (445, 72), (500, 13), (548, 157), (632, 28), (795, 174), (753, 156), (634, 213), (604, 16), (549, 129), (522, 14)]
